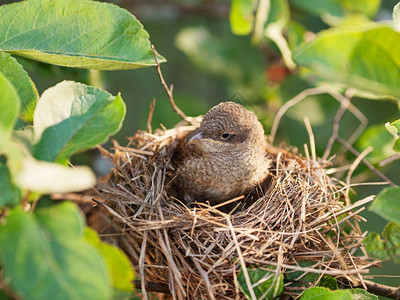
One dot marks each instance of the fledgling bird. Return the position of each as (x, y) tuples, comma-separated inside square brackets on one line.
[(224, 158)]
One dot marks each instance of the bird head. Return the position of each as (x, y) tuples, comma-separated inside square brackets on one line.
[(228, 127)]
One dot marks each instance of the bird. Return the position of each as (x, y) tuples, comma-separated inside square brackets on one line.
[(225, 157)]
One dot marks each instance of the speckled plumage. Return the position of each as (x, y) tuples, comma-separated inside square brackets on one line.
[(222, 159)]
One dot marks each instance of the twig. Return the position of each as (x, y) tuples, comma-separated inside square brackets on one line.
[(241, 259), (359, 158), (6, 289), (289, 104), (166, 88), (311, 137), (152, 286), (141, 264), (389, 160), (365, 161), (335, 127), (317, 91), (150, 116)]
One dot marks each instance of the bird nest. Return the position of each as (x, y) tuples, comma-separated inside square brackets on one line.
[(303, 223)]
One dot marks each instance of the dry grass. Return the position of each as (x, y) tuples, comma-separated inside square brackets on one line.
[(304, 215)]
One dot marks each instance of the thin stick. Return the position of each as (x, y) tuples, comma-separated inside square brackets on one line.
[(150, 116), (354, 165), (141, 265), (311, 137), (241, 259), (311, 270), (335, 127), (167, 90), (289, 104), (203, 275), (365, 161), (389, 160), (317, 91)]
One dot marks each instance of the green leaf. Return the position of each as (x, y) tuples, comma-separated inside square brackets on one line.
[(46, 260), (56, 217), (360, 294), (75, 33), (387, 204), (329, 282), (322, 293), (396, 16), (387, 247), (46, 178), (119, 267), (375, 246), (9, 105), (24, 86), (72, 117), (396, 146), (265, 284), (304, 278), (10, 195), (393, 128), (396, 123), (378, 136), (365, 58), (242, 16)]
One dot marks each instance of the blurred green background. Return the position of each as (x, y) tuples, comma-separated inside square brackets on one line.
[(207, 64)]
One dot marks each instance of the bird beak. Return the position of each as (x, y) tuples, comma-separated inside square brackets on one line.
[(198, 138)]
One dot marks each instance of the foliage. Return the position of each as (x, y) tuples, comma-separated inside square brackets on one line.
[(39, 134)]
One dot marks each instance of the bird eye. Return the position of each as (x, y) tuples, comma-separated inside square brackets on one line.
[(225, 136)]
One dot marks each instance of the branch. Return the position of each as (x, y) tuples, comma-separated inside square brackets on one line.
[(365, 161), (152, 286), (382, 290), (150, 116), (166, 88)]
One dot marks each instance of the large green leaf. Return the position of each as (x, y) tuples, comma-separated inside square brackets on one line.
[(9, 106), (378, 136), (45, 258), (119, 267), (387, 247), (387, 204), (72, 117), (18, 77), (10, 195), (46, 177), (365, 58), (75, 33)]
